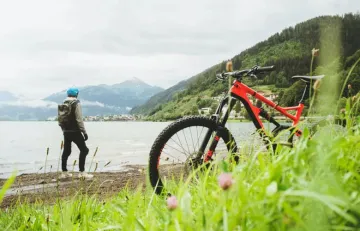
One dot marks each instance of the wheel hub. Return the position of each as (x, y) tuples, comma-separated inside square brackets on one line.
[(193, 161)]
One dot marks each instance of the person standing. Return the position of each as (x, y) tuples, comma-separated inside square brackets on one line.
[(71, 122)]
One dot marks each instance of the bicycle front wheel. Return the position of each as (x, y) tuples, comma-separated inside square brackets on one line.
[(177, 150)]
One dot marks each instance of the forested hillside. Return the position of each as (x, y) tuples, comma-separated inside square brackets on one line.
[(289, 51), (162, 97)]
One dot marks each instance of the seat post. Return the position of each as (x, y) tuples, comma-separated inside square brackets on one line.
[(305, 92)]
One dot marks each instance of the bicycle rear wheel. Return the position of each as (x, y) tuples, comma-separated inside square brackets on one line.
[(177, 150), (330, 127)]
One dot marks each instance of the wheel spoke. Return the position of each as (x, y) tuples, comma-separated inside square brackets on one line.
[(180, 142), (186, 142), (192, 140), (198, 141), (171, 156), (178, 150)]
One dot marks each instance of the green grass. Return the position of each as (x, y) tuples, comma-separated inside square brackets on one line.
[(314, 186)]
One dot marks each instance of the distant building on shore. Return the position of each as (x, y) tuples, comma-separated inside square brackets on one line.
[(104, 118)]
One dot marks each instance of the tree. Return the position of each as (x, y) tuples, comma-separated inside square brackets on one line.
[(198, 100), (237, 107), (245, 114), (293, 94), (204, 103), (194, 110), (280, 95), (213, 107)]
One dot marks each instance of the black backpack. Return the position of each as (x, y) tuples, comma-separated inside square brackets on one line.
[(64, 113)]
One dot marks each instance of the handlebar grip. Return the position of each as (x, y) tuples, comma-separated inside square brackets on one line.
[(219, 76), (264, 69)]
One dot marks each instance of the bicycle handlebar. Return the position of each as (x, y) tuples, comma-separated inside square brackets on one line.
[(266, 69), (247, 72)]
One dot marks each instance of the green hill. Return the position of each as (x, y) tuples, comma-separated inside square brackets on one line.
[(155, 101), (289, 51)]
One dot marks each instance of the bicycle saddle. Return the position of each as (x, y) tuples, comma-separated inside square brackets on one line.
[(308, 78)]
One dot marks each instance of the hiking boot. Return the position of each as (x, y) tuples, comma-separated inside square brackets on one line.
[(65, 175), (85, 175)]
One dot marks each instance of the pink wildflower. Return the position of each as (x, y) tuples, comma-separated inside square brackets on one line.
[(225, 180), (172, 203)]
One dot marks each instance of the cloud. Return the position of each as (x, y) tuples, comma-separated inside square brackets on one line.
[(30, 104), (46, 46), (46, 104), (90, 103)]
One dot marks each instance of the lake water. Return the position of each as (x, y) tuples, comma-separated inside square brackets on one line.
[(23, 144)]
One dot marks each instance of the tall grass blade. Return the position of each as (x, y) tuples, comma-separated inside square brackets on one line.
[(6, 186)]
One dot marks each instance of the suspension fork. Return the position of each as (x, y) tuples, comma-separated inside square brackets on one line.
[(220, 125)]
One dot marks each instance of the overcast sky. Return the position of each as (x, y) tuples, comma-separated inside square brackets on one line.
[(47, 46)]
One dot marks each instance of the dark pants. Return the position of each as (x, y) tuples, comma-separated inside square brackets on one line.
[(79, 140)]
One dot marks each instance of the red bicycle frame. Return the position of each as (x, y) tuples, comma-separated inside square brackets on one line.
[(241, 90)]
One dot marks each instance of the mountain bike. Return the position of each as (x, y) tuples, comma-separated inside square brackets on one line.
[(214, 137)]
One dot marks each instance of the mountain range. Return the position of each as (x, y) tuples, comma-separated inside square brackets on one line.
[(7, 96), (96, 100)]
